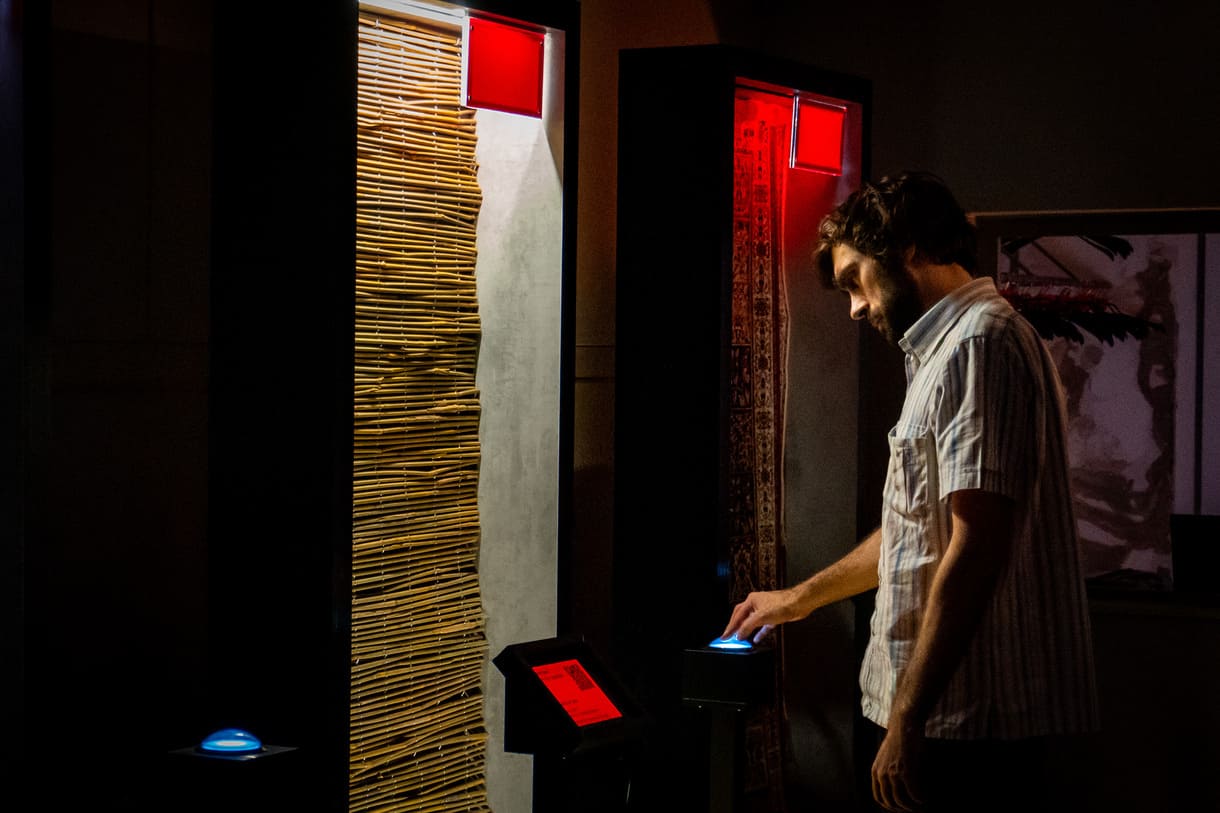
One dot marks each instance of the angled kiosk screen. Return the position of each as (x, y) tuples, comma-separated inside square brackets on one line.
[(579, 694), (560, 698)]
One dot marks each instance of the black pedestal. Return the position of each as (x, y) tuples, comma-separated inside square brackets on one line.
[(235, 783), (564, 706), (590, 783), (722, 685)]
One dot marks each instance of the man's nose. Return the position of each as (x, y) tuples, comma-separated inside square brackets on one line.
[(859, 307)]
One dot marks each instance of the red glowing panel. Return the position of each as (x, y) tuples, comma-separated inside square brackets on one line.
[(504, 67), (580, 696), (819, 136)]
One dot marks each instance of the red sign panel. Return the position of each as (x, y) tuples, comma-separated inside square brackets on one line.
[(580, 696), (819, 136), (504, 66)]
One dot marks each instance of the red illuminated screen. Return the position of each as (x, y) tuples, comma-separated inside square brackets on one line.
[(580, 696), (504, 67), (819, 136)]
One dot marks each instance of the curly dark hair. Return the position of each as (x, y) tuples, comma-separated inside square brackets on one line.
[(883, 220)]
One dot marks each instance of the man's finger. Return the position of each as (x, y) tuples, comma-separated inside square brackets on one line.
[(741, 614), (898, 797), (881, 792), (893, 792)]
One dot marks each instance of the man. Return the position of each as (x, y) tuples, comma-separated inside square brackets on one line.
[(979, 643)]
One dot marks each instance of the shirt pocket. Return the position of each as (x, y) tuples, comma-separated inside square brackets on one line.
[(907, 482)]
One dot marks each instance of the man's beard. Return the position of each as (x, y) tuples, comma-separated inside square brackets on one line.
[(900, 306)]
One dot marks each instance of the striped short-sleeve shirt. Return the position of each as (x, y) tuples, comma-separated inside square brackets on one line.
[(984, 410)]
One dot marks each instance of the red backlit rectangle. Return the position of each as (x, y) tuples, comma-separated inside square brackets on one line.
[(818, 144), (579, 694), (504, 67)]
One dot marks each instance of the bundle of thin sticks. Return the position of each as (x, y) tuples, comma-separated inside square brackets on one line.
[(417, 739)]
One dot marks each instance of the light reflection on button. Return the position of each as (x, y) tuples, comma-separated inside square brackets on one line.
[(231, 741), (731, 643)]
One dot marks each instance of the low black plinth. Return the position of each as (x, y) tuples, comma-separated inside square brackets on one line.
[(732, 677), (249, 756), (272, 778), (721, 681)]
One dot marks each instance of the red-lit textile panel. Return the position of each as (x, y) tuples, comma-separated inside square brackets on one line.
[(758, 366)]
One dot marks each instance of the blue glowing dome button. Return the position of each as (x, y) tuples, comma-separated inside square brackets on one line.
[(230, 741), (731, 643)]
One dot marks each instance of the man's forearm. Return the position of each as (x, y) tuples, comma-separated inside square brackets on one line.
[(960, 593), (853, 574)]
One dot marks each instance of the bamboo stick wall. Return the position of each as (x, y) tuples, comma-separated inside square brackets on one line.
[(417, 736)]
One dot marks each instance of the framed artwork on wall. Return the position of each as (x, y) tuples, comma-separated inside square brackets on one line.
[(1121, 299)]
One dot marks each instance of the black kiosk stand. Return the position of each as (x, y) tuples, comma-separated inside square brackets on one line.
[(723, 680), (268, 778), (564, 707)]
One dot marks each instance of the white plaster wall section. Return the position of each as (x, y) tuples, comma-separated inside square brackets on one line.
[(519, 288)]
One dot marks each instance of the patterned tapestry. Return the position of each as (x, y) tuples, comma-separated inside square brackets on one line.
[(758, 364)]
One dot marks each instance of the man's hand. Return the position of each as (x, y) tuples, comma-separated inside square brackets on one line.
[(762, 611), (851, 575), (897, 777)]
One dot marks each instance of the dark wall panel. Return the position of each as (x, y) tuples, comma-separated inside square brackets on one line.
[(282, 294), (115, 360)]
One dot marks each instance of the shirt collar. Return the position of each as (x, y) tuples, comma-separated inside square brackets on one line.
[(923, 336)]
